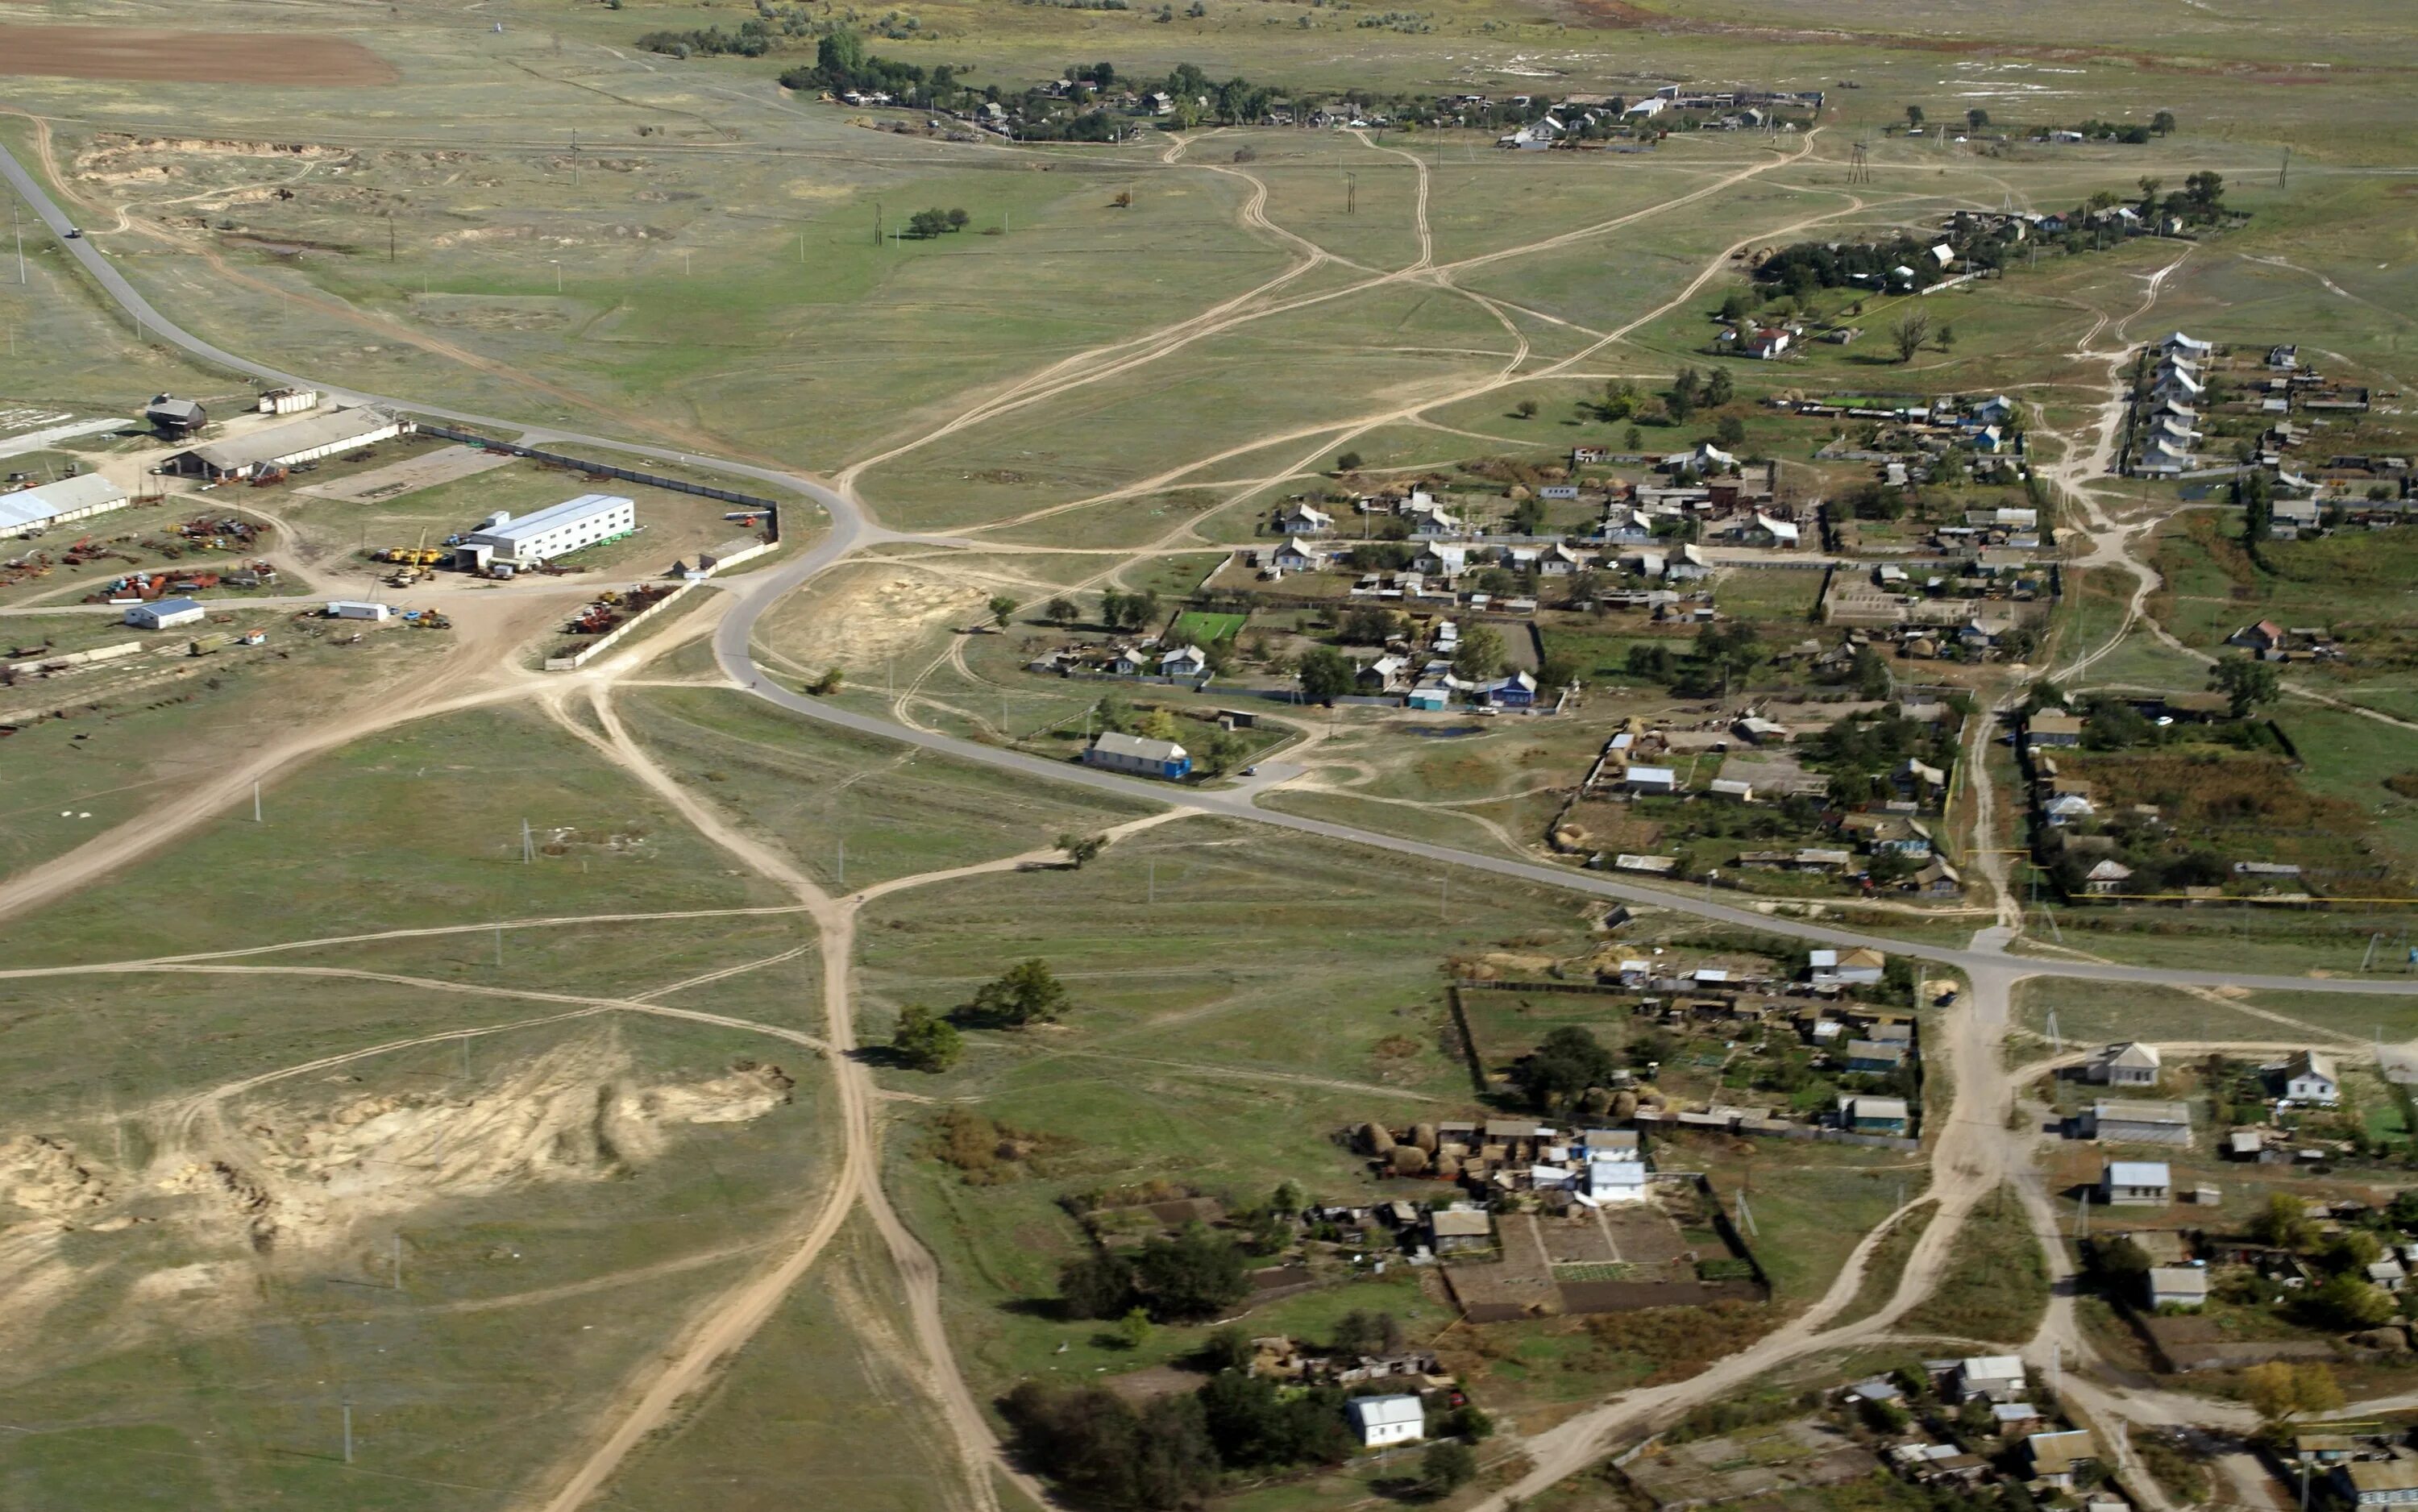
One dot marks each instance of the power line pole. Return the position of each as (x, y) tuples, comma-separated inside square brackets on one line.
[(842, 864), (349, 1429), (528, 844), (255, 802)]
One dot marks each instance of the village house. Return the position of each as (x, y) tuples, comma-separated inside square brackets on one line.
[(1300, 518), (1995, 1378), (1874, 1115), (2136, 1184), (2180, 1287), (2377, 1482), (2059, 1457), (2137, 1121), (2312, 1077), (2128, 1063)]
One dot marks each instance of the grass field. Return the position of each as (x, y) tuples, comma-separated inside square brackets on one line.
[(1201, 627)]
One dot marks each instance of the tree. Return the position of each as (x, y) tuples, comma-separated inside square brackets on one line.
[(1976, 119), (1910, 335), (2284, 1223), (1133, 1329), (2258, 514), (1360, 1332), (1528, 517), (1729, 431), (1348, 462), (1195, 1274), (1734, 307), (1525, 409), (1913, 115), (1367, 624), (2351, 1302), (1228, 1348), (1221, 751), (2280, 1390), (1633, 440), (1111, 1454), (1096, 1286), (1083, 849), (2162, 122), (1945, 338), (2247, 682), (1026, 993), (1446, 1467), (1112, 608), (1327, 675), (957, 220), (1688, 388), (1479, 656), (1565, 1063), (925, 1041), (1002, 608), (1871, 673), (1061, 611), (1719, 388)]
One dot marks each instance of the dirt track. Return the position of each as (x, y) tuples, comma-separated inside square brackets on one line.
[(259, 58)]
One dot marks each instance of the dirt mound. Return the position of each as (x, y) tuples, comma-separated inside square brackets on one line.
[(301, 1176), (301, 1173), (44, 1176), (870, 616)]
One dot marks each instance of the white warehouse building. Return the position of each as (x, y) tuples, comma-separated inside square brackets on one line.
[(32, 509), (558, 531)]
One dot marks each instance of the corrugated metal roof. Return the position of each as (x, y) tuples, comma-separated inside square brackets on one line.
[(32, 506), (1135, 748), (552, 517), (309, 434)]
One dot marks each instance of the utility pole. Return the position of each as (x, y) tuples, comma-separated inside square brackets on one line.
[(1152, 895), (390, 236), (255, 802), (1351, 194), (574, 156), (877, 222), (2283, 176), (349, 1429), (842, 864), (398, 1259), (528, 844), (19, 233), (499, 954)]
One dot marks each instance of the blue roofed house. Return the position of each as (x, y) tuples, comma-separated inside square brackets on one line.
[(1518, 691)]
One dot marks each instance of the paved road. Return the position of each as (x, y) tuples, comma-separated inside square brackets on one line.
[(850, 529)]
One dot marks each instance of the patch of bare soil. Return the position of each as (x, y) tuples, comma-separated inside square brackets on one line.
[(263, 60), (876, 613), (299, 1174)]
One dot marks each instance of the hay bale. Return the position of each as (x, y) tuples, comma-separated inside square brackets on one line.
[(1624, 1104), (1410, 1160), (1424, 1135), (1376, 1139), (1449, 1167)]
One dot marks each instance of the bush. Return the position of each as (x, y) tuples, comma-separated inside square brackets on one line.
[(1109, 1453)]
